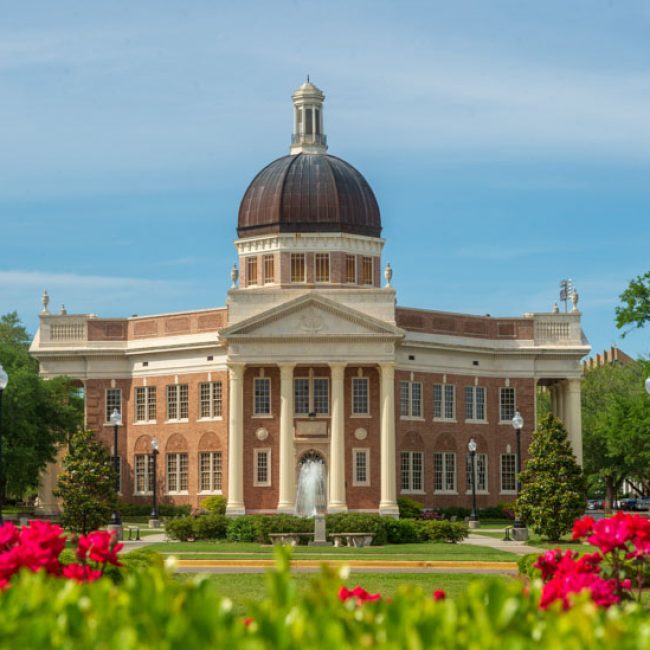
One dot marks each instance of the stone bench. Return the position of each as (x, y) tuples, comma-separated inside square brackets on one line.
[(359, 540), (289, 539)]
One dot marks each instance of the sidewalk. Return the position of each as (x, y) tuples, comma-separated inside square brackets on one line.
[(518, 548)]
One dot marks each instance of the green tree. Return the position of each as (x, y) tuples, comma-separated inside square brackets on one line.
[(553, 489), (616, 426), (635, 309), (37, 415), (87, 484)]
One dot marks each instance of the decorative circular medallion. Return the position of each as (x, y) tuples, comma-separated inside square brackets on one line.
[(360, 434), (262, 434)]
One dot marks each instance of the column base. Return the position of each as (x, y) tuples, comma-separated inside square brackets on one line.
[(235, 510), (154, 523), (286, 509), (389, 510), (336, 508)]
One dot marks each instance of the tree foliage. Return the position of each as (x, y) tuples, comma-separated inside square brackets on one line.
[(37, 415), (635, 309), (87, 484), (553, 489), (616, 425)]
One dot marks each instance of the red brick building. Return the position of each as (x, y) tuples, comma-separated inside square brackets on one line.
[(311, 357)]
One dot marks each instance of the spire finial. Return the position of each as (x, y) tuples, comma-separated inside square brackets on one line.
[(308, 77)]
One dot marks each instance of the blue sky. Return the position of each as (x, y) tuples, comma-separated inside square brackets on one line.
[(508, 144)]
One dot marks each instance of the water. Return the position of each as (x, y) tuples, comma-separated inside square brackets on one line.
[(310, 498)]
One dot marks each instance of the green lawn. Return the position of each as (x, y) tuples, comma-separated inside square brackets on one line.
[(243, 588), (416, 552)]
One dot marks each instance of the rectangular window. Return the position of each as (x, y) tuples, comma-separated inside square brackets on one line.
[(410, 399), (298, 267), (177, 478), (361, 467), (360, 402), (506, 404), (444, 402), (177, 402), (145, 404), (351, 269), (508, 473), (311, 395), (411, 463), (444, 472), (210, 399), (481, 473), (366, 271), (262, 390), (269, 269), (143, 473), (475, 403), (301, 396), (262, 476), (322, 261), (210, 471), (113, 401), (251, 271)]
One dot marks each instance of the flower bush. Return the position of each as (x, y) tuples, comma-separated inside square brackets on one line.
[(38, 547), (611, 574)]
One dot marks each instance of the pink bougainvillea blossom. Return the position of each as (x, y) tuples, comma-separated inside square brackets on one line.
[(359, 594)]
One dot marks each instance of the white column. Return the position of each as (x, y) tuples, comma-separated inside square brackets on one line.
[(337, 500), (235, 504), (287, 493), (573, 415), (388, 502)]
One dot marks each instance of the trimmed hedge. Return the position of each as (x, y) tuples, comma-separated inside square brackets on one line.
[(215, 504), (144, 510), (409, 508), (257, 528)]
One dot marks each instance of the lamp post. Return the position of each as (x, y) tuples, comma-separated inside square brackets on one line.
[(116, 519), (647, 385), (154, 522), (473, 518), (518, 425), (4, 380)]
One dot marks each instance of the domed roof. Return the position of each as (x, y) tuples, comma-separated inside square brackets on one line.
[(309, 193)]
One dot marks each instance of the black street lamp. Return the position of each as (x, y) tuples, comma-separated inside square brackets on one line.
[(473, 518), (116, 519), (4, 380), (518, 425), (153, 518)]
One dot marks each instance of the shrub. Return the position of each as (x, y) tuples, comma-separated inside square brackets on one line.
[(210, 527), (442, 531), (215, 504), (143, 510), (244, 529), (353, 522), (402, 531), (455, 511), (409, 508), (136, 560), (180, 528), (525, 565)]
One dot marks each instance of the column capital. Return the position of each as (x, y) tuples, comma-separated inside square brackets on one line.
[(236, 370), (286, 370), (574, 383)]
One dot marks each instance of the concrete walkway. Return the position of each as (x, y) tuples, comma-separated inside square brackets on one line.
[(518, 548)]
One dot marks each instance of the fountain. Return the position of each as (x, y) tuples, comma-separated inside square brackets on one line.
[(310, 499)]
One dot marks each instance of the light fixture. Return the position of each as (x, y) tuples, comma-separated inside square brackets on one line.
[(471, 445), (116, 418), (517, 421)]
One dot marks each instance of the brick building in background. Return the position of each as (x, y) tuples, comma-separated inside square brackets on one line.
[(312, 357)]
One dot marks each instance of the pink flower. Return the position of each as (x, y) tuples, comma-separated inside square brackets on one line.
[(582, 527), (613, 533), (439, 594), (81, 573), (100, 547), (8, 535), (358, 593)]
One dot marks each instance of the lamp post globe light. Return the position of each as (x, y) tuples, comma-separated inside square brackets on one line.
[(647, 385), (473, 518), (520, 532), (154, 522), (116, 519), (4, 380)]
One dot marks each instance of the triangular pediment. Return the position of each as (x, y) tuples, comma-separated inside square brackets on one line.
[(311, 316)]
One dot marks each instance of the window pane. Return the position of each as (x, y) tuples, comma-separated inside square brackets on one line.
[(269, 269), (322, 267), (404, 398), (416, 400), (183, 474), (417, 470), (366, 270), (172, 472), (321, 396), (251, 271), (469, 402), (151, 402), (183, 401), (351, 269), (480, 403), (301, 396), (361, 467), (262, 467), (113, 401), (297, 267), (450, 471), (437, 471), (405, 470), (360, 395), (262, 396), (508, 472), (437, 400), (507, 400), (449, 401)]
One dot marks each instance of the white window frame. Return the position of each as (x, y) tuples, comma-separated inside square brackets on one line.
[(311, 380), (410, 401), (514, 474), (257, 453), (357, 381), (318, 257), (364, 259), (178, 391), (356, 453), (149, 393), (447, 458), (474, 391), (262, 414), (180, 455), (215, 487), (445, 397), (410, 489), (479, 490), (213, 400), (147, 474), (507, 420), (110, 405)]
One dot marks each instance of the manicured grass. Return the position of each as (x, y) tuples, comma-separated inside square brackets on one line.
[(395, 552), (248, 587)]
